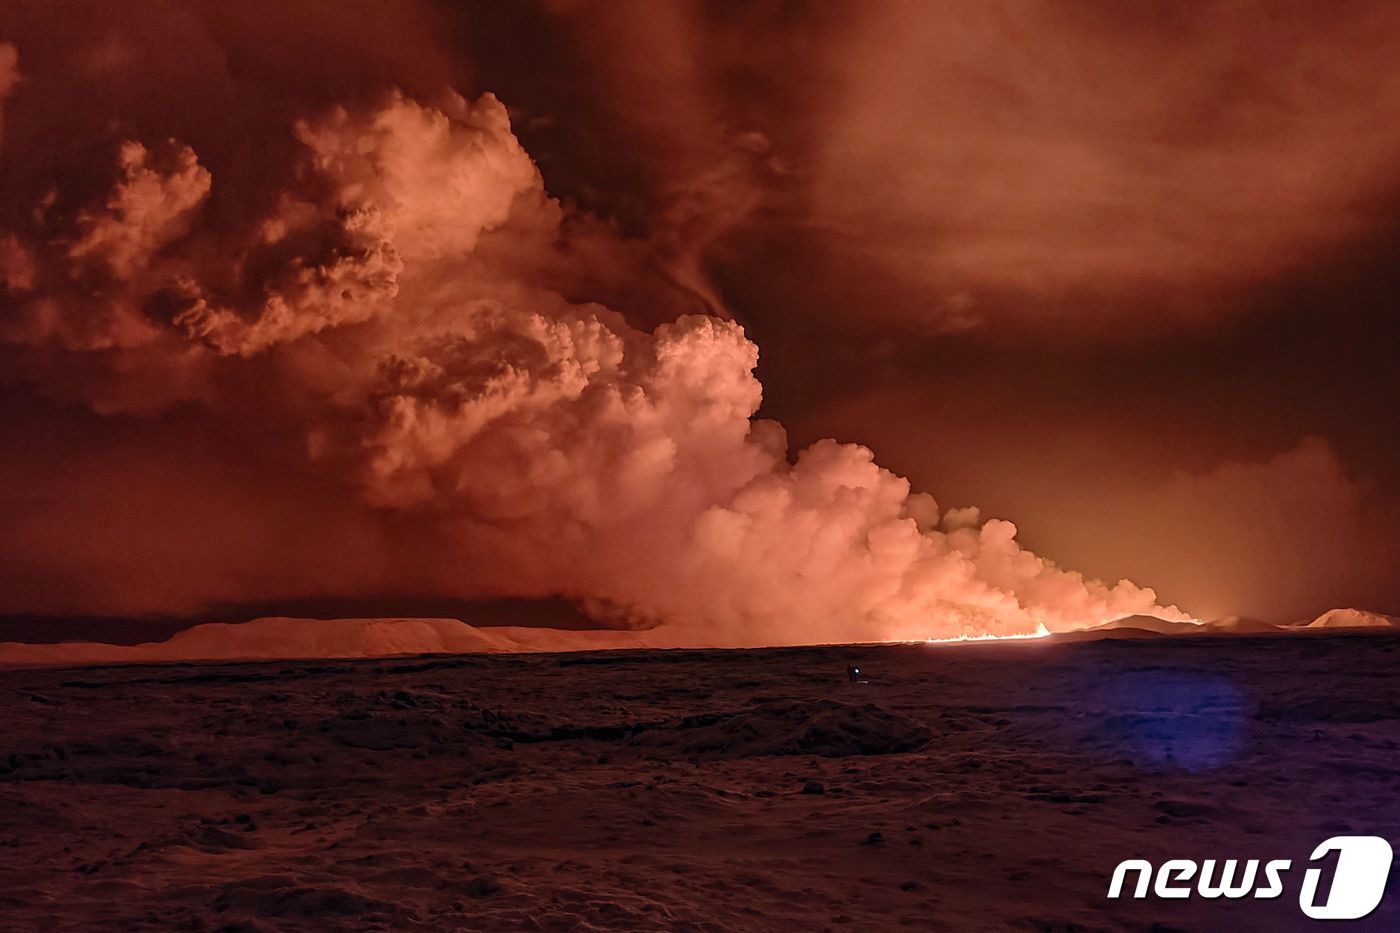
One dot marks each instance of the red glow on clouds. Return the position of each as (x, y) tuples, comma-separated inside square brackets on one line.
[(343, 300), (385, 300)]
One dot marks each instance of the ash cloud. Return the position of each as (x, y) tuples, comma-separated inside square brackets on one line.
[(383, 360)]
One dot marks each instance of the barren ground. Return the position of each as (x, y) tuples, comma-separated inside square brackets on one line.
[(984, 787)]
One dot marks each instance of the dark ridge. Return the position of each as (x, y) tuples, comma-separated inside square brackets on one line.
[(38, 629), (43, 629)]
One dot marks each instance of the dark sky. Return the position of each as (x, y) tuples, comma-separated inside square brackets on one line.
[(1122, 274)]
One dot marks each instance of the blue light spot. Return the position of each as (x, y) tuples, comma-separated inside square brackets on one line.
[(1191, 720)]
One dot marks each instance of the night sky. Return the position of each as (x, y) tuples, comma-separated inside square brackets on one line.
[(1124, 280)]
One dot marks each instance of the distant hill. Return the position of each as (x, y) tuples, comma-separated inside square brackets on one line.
[(1353, 618), (543, 612), (1146, 623), (1242, 625), (284, 638), (274, 639), (1148, 626)]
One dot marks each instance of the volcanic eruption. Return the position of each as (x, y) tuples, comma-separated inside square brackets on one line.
[(400, 527), (393, 310)]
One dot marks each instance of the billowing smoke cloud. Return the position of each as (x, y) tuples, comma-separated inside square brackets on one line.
[(398, 315)]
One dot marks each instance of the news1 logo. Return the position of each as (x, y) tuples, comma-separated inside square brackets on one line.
[(1358, 878)]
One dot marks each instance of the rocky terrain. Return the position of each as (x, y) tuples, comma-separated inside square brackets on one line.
[(980, 786)]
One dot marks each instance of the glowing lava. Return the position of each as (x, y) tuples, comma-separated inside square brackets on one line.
[(1040, 632)]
